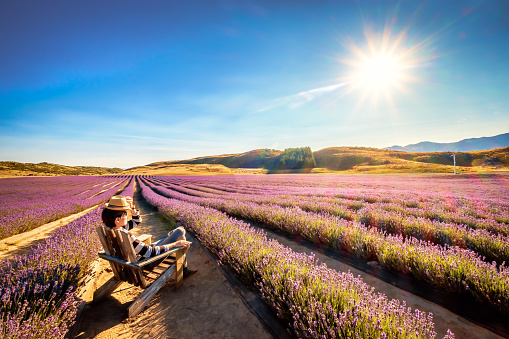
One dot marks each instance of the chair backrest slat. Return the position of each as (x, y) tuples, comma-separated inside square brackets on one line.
[(115, 246), (102, 238), (127, 245), (131, 254), (108, 250)]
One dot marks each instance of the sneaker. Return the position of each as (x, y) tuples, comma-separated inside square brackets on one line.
[(188, 272)]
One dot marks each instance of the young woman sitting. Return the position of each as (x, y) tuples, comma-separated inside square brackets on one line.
[(116, 216)]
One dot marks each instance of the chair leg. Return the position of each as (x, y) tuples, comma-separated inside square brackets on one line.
[(179, 269), (106, 289), (145, 297)]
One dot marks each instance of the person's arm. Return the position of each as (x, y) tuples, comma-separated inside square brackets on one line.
[(136, 216), (149, 251), (133, 222), (145, 250)]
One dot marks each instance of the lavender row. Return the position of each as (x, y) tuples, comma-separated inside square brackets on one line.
[(78, 194), (442, 189), (407, 194), (444, 208), (27, 193), (15, 206), (425, 223), (24, 201), (55, 209), (492, 188), (492, 247), (315, 300), (474, 214), (38, 291), (450, 268)]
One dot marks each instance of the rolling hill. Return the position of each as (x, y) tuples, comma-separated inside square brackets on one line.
[(12, 168), (356, 159), (258, 158), (361, 159), (297, 160)]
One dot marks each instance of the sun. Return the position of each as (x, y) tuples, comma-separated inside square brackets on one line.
[(379, 71), (381, 66)]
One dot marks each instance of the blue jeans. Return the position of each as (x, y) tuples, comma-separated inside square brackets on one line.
[(177, 234)]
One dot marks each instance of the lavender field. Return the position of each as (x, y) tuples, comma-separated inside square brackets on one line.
[(31, 202), (450, 232), (38, 291)]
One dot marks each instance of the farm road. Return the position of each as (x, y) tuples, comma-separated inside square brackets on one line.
[(205, 306), (443, 318), (21, 244)]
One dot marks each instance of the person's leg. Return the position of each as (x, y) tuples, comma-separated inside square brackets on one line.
[(177, 234)]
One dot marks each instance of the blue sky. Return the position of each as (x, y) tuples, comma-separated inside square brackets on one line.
[(127, 83)]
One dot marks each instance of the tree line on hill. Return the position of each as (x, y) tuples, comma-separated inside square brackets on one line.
[(272, 160), (293, 159)]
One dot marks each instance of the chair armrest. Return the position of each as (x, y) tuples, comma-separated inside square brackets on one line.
[(115, 260), (163, 255), (146, 238)]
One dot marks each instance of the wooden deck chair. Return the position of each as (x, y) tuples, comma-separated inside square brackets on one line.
[(119, 251)]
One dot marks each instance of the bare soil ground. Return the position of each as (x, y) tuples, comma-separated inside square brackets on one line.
[(205, 306)]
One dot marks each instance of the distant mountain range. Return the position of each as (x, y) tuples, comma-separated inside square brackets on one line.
[(465, 145)]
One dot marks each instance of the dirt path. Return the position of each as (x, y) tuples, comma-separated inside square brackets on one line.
[(20, 244), (206, 306), (443, 318)]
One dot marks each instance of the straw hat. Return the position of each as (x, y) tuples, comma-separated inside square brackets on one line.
[(117, 203)]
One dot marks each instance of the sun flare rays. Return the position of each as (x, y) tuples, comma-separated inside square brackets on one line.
[(381, 66)]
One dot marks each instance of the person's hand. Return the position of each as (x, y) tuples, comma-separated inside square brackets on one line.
[(129, 200), (182, 243)]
